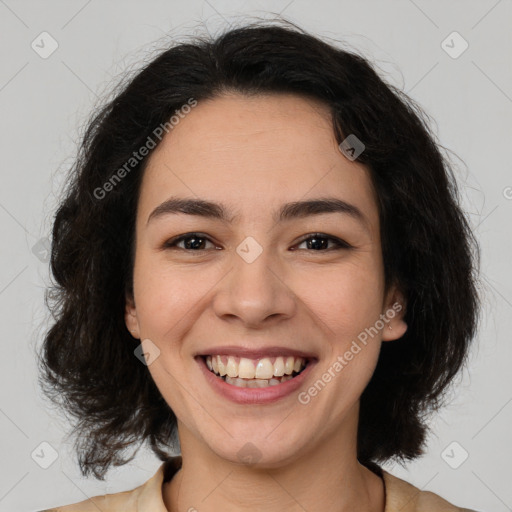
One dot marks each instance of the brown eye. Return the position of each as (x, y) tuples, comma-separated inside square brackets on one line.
[(319, 242), (192, 242)]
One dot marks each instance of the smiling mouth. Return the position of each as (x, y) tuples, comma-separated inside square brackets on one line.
[(255, 373)]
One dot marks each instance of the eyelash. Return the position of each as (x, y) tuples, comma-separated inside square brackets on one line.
[(340, 244)]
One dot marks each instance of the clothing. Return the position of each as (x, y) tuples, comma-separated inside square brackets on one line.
[(401, 496)]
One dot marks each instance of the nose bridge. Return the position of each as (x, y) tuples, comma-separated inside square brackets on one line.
[(254, 290)]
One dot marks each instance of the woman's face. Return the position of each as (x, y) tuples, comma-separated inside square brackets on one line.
[(256, 284)]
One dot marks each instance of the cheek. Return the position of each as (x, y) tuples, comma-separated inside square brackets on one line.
[(346, 302), (349, 304), (163, 295)]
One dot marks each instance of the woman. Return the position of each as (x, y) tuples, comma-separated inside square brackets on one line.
[(261, 263)]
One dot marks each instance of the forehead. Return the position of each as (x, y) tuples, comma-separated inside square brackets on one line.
[(248, 152)]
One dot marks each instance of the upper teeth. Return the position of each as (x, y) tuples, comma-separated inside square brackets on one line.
[(244, 368)]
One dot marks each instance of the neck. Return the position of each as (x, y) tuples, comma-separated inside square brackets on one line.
[(326, 477)]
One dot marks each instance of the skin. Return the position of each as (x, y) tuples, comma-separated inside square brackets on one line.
[(253, 154)]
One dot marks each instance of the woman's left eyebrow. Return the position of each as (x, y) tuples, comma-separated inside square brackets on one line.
[(287, 212)]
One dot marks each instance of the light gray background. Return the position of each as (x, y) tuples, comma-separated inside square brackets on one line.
[(44, 103)]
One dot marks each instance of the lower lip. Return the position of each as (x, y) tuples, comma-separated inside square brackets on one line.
[(265, 395)]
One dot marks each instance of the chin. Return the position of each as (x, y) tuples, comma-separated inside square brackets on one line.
[(259, 450)]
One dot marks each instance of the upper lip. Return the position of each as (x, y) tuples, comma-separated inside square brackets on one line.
[(256, 353)]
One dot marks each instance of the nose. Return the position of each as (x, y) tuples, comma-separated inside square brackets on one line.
[(255, 293)]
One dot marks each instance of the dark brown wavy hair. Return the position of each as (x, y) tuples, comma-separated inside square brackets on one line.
[(87, 363)]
